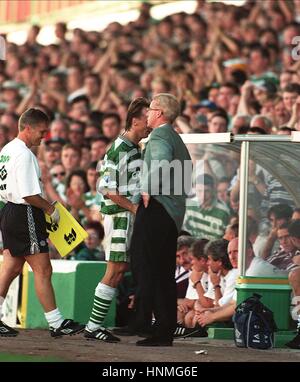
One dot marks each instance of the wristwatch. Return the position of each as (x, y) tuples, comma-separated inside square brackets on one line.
[(196, 283), (217, 286)]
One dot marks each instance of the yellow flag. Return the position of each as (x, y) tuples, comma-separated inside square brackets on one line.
[(67, 234)]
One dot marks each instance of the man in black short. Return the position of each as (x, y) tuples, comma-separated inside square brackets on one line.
[(23, 224)]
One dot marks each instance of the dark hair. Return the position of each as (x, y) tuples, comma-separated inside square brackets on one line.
[(79, 123), (68, 146), (96, 117), (46, 110), (111, 115), (243, 129), (287, 129), (257, 130), (135, 110), (224, 179), (81, 174), (217, 250), (94, 77), (206, 180), (284, 226), (262, 50), (62, 25), (221, 115), (281, 211), (184, 233), (292, 88), (239, 77), (93, 165), (197, 249), (185, 241), (294, 228), (97, 226), (235, 228), (101, 138), (81, 98), (32, 117), (232, 86)]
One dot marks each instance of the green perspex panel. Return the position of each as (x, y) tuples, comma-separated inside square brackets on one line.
[(276, 296), (74, 284)]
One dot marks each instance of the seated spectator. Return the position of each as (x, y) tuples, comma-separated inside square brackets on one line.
[(223, 190), (92, 250), (277, 215), (222, 280), (222, 313), (256, 187), (198, 284), (294, 279), (275, 194), (206, 217), (183, 264), (286, 258), (231, 231), (255, 266)]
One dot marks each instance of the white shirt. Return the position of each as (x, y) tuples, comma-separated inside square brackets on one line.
[(259, 245), (227, 284), (261, 268), (19, 173), (191, 292)]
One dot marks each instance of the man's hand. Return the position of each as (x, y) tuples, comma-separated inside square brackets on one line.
[(215, 278), (196, 276), (205, 318), (54, 215), (146, 199), (134, 208)]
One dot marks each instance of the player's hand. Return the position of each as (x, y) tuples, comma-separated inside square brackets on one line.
[(134, 208)]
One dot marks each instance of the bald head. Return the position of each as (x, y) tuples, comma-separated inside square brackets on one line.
[(233, 252)]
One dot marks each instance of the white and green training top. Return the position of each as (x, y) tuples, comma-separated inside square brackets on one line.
[(120, 172)]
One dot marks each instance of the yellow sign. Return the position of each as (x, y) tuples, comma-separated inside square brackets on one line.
[(67, 234)]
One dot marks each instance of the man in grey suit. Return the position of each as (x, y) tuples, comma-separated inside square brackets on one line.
[(166, 181)]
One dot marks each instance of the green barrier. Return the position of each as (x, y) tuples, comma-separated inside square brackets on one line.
[(276, 295), (74, 284)]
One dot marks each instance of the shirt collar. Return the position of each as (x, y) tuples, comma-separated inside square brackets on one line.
[(20, 142)]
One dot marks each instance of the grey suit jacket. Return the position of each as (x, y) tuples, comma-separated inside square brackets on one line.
[(167, 171)]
